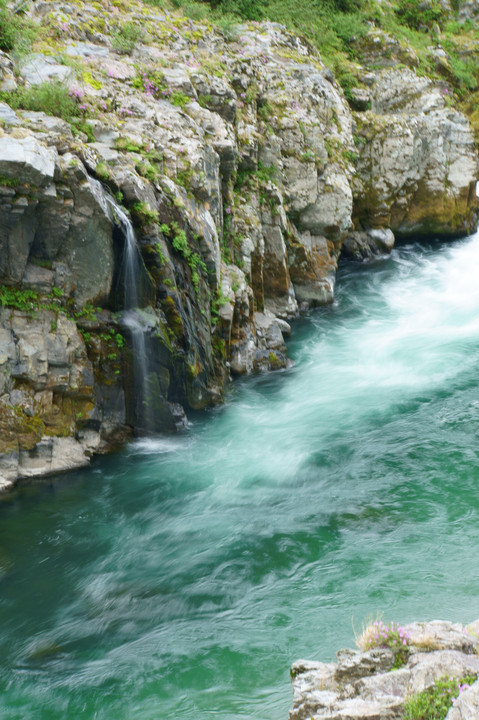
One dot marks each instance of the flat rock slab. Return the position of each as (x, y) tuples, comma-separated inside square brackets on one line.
[(27, 159), (81, 49), (37, 69), (439, 635)]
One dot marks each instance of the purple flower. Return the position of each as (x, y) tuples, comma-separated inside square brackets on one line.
[(75, 93)]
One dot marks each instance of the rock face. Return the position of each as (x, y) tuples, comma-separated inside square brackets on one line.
[(416, 172), (365, 685), (244, 173)]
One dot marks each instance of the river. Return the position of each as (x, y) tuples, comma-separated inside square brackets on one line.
[(180, 578)]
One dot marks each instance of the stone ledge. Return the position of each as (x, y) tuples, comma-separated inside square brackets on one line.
[(363, 685)]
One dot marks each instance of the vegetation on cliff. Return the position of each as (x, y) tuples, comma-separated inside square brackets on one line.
[(245, 164)]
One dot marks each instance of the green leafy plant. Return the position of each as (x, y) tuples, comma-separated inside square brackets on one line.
[(9, 182), (265, 111), (180, 244), (127, 145), (217, 301), (435, 702), (185, 176), (163, 260), (19, 299), (205, 100), (148, 170)]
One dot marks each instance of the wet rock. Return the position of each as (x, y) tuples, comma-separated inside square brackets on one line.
[(368, 244)]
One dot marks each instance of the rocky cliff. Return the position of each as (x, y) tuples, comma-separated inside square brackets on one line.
[(438, 659), (244, 173)]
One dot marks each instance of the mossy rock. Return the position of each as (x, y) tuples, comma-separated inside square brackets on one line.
[(19, 431)]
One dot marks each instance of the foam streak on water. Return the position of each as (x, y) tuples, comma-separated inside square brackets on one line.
[(181, 578)]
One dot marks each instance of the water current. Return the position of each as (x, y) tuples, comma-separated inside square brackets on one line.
[(179, 579)]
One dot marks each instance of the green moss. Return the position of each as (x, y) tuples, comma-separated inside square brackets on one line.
[(89, 80), (102, 171), (8, 181), (219, 347), (173, 317), (18, 430)]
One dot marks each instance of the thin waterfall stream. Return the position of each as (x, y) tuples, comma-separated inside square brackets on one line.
[(181, 577), (132, 320)]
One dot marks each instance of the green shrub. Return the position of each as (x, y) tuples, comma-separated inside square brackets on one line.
[(16, 33), (127, 37), (245, 9), (349, 26), (102, 171), (145, 213), (52, 98), (418, 15), (465, 72), (435, 702)]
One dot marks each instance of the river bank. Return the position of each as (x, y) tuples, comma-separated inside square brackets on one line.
[(382, 681)]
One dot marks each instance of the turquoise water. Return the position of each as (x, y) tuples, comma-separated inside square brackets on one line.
[(180, 578)]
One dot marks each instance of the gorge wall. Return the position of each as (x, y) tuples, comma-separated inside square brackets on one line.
[(245, 173)]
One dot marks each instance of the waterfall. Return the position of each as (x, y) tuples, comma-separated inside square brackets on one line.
[(131, 318), (133, 322)]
